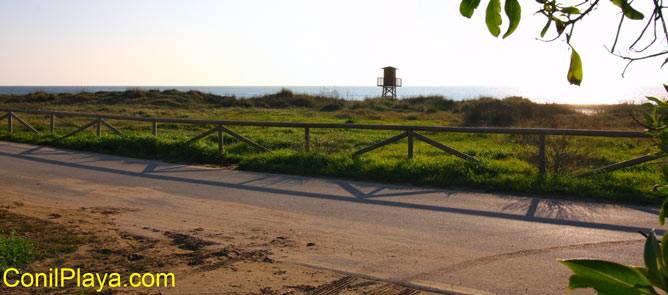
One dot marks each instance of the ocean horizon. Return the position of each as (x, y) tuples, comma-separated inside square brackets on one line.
[(571, 96)]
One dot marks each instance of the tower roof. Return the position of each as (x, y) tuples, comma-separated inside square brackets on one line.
[(389, 67)]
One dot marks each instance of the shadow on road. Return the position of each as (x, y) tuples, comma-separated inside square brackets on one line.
[(359, 197), (560, 209)]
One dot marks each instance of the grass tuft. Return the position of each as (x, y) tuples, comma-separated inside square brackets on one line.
[(16, 251)]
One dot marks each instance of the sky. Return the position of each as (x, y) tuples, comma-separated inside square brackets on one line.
[(301, 43)]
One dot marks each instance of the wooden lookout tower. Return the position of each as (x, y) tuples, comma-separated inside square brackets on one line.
[(389, 82)]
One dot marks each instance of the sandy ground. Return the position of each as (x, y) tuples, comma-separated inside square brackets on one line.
[(241, 253)]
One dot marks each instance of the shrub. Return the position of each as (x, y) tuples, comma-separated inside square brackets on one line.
[(331, 107), (302, 102), (284, 93), (508, 111), (134, 93), (564, 156)]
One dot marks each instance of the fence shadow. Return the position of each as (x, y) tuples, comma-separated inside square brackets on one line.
[(555, 208), (358, 197)]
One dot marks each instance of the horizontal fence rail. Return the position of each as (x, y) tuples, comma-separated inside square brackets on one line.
[(409, 131), (529, 131)]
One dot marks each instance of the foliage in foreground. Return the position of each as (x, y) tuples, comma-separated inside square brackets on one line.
[(563, 15), (609, 278)]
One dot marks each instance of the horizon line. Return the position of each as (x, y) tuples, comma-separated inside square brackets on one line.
[(144, 86)]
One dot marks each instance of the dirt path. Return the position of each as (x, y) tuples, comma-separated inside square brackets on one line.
[(202, 261)]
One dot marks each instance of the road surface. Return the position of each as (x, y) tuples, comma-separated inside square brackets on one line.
[(440, 239)]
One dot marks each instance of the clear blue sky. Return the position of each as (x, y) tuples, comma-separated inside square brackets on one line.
[(296, 42)]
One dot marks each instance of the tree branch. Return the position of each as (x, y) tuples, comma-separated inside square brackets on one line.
[(583, 14), (619, 29), (645, 125)]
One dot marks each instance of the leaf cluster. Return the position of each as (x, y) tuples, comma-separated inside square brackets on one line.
[(563, 18), (512, 9), (609, 278)]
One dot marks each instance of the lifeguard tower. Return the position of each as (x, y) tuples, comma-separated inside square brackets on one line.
[(389, 82)]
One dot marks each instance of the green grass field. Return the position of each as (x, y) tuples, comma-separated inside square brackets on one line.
[(508, 162)]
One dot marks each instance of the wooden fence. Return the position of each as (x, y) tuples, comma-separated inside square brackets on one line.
[(409, 131)]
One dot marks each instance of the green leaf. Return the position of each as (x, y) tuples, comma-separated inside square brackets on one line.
[(575, 70), (493, 17), (560, 26), (648, 119), (662, 213), (607, 277), (666, 87), (514, 13), (654, 99), (654, 261), (570, 10), (467, 7), (664, 253), (662, 191), (628, 10), (547, 26), (643, 270)]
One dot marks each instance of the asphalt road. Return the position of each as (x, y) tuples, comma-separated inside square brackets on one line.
[(445, 239)]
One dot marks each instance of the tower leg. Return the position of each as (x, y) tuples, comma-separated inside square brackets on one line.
[(390, 91)]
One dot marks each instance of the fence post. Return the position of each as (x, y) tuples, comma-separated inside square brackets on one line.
[(307, 139), (10, 123), (99, 127), (52, 127), (410, 144), (541, 154), (220, 139), (155, 128)]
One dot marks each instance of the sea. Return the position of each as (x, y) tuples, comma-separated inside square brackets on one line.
[(572, 95)]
